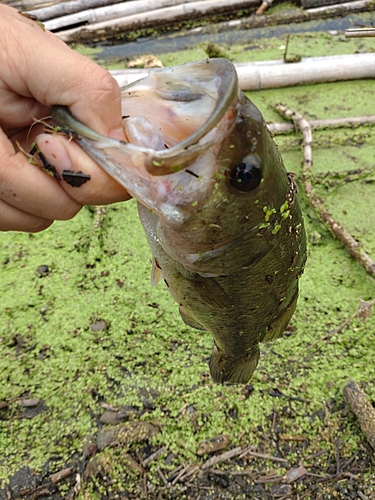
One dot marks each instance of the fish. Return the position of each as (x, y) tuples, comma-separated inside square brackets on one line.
[(220, 212)]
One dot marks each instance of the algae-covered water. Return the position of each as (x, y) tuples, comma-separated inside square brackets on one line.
[(82, 331)]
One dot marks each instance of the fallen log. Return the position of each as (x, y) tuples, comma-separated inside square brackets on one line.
[(309, 4), (363, 410), (70, 7), (297, 16), (359, 32), (107, 13), (277, 73), (173, 14), (30, 4), (353, 122), (341, 7)]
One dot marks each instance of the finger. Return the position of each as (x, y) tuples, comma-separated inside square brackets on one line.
[(73, 81), (13, 219), (29, 189), (65, 155)]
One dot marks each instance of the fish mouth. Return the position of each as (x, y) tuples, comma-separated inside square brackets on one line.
[(184, 93)]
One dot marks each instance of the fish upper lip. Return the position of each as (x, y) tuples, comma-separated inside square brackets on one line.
[(165, 161)]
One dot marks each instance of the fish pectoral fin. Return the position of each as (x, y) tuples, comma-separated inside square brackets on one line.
[(211, 292), (155, 273), (189, 321), (233, 370)]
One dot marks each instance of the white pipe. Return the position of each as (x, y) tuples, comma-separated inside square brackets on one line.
[(275, 74)]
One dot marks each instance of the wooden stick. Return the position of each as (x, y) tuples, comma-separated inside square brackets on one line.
[(359, 32), (153, 456), (363, 410), (286, 18), (263, 7), (352, 245), (103, 14), (64, 8), (308, 4), (363, 306), (222, 458), (356, 121), (28, 4), (267, 457), (176, 13), (277, 74), (340, 7)]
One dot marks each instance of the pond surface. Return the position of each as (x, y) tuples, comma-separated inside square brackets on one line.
[(188, 39)]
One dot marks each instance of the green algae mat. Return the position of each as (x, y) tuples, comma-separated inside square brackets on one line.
[(105, 392)]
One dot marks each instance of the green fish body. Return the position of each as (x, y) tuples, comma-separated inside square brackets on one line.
[(220, 212)]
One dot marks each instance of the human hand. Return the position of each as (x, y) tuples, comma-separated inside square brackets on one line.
[(37, 71)]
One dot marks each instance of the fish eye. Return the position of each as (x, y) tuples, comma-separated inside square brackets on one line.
[(246, 176)]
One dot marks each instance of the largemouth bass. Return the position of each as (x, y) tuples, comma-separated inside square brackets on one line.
[(219, 210)]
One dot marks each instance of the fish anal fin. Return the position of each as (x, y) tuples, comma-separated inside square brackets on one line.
[(155, 272), (188, 320), (233, 370), (277, 327)]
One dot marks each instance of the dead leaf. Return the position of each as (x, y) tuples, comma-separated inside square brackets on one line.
[(147, 61), (364, 309), (214, 444), (294, 474)]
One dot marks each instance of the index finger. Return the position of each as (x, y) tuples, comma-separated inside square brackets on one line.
[(38, 65)]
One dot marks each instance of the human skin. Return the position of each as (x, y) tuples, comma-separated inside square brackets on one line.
[(37, 71)]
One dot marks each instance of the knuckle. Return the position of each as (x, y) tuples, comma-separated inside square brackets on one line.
[(106, 88)]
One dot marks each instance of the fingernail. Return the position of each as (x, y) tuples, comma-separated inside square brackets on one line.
[(54, 150)]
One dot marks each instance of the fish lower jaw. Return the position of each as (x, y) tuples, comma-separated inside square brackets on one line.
[(226, 369)]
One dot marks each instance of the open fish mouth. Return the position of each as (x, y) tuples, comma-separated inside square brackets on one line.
[(185, 104)]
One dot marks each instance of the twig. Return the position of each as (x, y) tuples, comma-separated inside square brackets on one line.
[(338, 231), (180, 474), (356, 121), (331, 180), (337, 456), (269, 478), (144, 486), (163, 478), (363, 410), (100, 213), (341, 326), (359, 32), (222, 458), (153, 456), (175, 472), (267, 457), (308, 4), (62, 474), (63, 8), (232, 472), (191, 9), (263, 7), (189, 473), (361, 495)]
